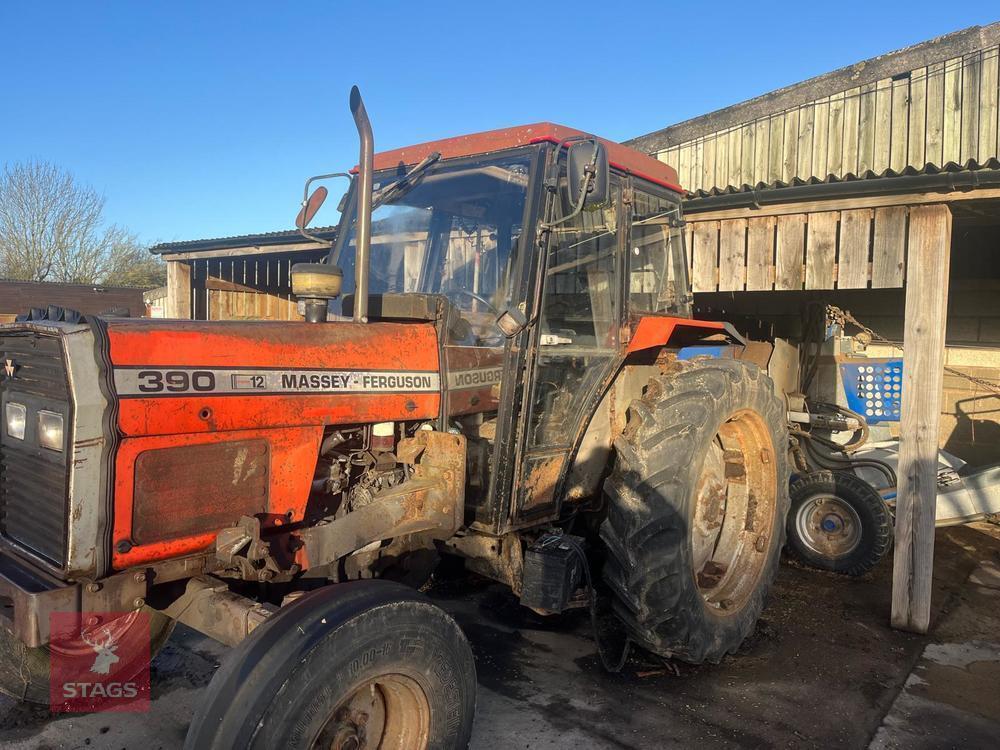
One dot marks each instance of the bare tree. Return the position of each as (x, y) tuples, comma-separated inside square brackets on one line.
[(52, 229)]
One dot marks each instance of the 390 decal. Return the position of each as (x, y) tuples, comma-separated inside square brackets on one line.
[(175, 381), (145, 382)]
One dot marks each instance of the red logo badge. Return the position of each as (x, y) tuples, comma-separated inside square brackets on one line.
[(99, 661)]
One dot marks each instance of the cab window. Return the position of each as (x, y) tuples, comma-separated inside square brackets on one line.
[(658, 280), (454, 232)]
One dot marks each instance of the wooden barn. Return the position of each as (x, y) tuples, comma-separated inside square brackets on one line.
[(875, 188), (236, 278)]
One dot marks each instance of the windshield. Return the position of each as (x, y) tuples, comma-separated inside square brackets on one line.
[(453, 231)]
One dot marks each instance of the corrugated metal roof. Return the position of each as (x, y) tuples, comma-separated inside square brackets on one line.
[(951, 167), (287, 236)]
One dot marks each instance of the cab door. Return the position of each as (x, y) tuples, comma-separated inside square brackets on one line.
[(574, 345)]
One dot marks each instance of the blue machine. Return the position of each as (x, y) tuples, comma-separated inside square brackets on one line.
[(874, 388), (713, 351)]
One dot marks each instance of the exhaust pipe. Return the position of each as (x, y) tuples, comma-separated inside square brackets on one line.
[(363, 222)]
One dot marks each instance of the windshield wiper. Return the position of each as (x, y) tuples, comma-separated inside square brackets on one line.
[(405, 183)]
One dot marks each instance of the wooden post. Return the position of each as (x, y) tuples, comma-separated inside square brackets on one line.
[(927, 275), (178, 289)]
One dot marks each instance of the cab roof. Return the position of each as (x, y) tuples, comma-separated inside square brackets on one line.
[(621, 157)]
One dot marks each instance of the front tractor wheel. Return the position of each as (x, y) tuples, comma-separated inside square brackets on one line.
[(368, 664), (697, 506)]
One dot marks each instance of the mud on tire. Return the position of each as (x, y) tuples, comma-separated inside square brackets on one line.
[(697, 503)]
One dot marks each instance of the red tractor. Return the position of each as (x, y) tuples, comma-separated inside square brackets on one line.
[(498, 363)]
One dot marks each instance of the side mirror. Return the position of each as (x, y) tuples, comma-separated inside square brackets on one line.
[(587, 170), (310, 207)]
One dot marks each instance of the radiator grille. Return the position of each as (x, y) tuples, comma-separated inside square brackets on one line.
[(33, 480)]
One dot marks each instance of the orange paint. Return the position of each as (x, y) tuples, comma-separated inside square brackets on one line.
[(341, 345), (291, 423), (654, 331), (293, 461), (186, 414), (622, 157)]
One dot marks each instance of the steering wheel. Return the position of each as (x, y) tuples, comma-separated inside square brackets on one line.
[(491, 338), (477, 298)]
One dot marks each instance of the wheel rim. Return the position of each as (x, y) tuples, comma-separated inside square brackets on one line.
[(735, 506), (828, 526), (388, 712)]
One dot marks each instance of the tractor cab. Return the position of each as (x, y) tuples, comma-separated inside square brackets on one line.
[(545, 247)]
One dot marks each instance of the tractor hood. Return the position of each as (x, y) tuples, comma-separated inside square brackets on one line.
[(183, 377)]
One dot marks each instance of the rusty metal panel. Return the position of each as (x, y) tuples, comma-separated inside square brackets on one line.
[(541, 476), (198, 488)]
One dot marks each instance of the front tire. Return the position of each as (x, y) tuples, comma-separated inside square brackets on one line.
[(24, 672), (368, 664), (697, 506)]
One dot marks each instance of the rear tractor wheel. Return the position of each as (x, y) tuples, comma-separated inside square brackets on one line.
[(697, 504)]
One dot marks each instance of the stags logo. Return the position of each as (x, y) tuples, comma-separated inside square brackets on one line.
[(99, 661), (105, 650)]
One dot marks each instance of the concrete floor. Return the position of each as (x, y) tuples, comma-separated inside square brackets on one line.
[(822, 670)]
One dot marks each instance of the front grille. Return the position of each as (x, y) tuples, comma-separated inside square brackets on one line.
[(34, 480)]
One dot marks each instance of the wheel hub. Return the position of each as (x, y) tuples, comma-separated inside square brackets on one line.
[(735, 506), (832, 524), (389, 712), (828, 526), (348, 733)]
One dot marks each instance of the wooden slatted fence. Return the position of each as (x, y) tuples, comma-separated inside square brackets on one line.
[(841, 249)]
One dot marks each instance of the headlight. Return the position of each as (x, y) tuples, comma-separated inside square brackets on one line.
[(50, 430), (17, 416)]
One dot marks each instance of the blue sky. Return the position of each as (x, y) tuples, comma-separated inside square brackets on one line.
[(202, 119)]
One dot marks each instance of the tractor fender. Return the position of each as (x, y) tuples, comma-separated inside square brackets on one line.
[(651, 333), (657, 331)]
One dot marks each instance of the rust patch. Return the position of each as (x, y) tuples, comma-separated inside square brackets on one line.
[(415, 505), (540, 482), (199, 488), (711, 494)]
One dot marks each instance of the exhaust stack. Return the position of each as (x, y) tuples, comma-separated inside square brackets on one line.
[(363, 222)]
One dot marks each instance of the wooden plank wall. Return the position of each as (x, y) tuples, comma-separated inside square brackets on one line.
[(846, 249), (179, 290), (253, 287), (944, 112)]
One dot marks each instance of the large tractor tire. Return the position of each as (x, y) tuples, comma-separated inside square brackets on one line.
[(24, 672), (697, 504), (367, 664)]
